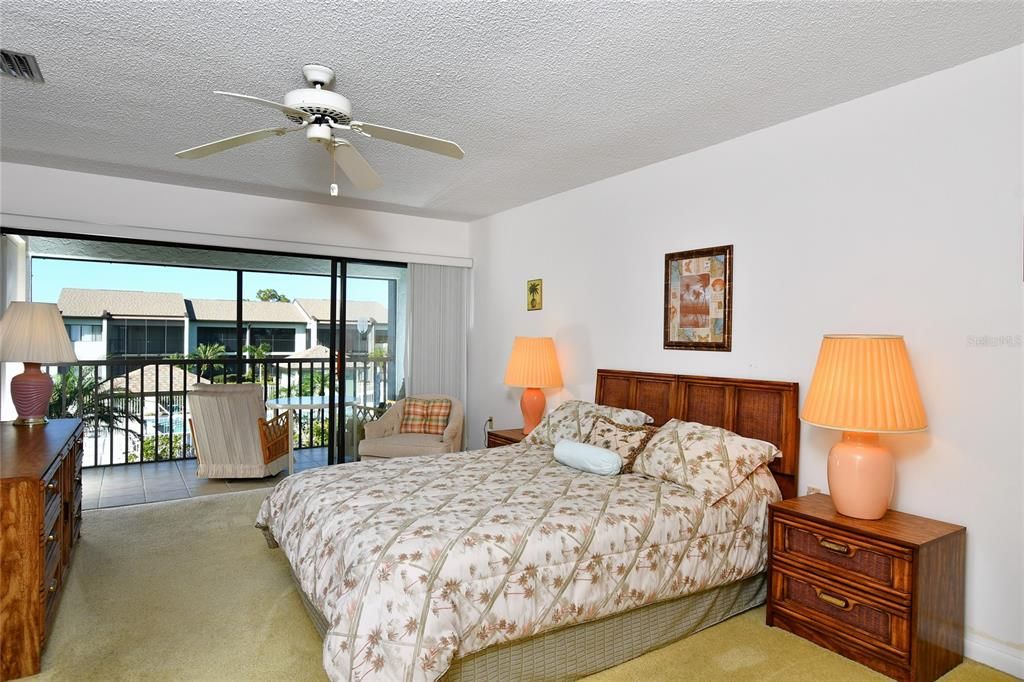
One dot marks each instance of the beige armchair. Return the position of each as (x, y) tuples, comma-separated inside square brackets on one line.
[(384, 440), (231, 434)]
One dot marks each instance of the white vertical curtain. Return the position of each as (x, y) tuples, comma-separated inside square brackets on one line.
[(437, 329)]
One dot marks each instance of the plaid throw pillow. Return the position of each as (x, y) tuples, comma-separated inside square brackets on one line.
[(425, 416)]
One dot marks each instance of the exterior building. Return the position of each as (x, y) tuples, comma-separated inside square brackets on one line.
[(112, 323), (366, 328), (108, 323), (281, 327)]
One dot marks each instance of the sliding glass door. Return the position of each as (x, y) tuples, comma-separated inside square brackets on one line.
[(150, 321), (370, 328)]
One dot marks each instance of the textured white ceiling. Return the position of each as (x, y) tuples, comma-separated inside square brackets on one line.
[(543, 96)]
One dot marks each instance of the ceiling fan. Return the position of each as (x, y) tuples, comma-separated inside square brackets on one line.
[(320, 113)]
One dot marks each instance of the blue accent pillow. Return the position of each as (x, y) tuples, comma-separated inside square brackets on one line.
[(588, 458)]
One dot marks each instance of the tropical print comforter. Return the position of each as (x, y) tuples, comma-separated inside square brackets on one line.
[(418, 560)]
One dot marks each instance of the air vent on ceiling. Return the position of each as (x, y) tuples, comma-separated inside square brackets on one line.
[(21, 66)]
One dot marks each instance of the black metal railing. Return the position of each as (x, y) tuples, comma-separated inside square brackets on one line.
[(136, 409)]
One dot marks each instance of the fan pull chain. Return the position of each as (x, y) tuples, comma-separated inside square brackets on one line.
[(334, 171)]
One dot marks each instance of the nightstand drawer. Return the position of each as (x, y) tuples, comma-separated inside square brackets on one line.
[(855, 559), (843, 610), (497, 439)]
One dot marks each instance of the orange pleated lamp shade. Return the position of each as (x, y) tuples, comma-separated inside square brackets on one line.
[(533, 363), (864, 383)]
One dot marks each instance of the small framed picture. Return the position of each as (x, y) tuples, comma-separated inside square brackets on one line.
[(534, 294), (698, 299)]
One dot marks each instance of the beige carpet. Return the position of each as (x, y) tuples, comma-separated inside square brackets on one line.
[(188, 590)]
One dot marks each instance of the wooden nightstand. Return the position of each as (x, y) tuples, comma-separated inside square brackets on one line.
[(495, 439), (888, 594)]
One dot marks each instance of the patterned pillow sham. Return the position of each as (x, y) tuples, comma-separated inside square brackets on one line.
[(425, 416), (573, 420), (628, 441), (708, 459)]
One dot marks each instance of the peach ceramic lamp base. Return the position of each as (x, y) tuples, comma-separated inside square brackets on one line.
[(532, 404), (861, 475)]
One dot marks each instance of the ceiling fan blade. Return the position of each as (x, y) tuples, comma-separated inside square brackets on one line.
[(231, 142), (352, 163), (425, 142), (286, 110)]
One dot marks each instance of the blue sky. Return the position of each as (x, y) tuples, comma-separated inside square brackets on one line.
[(49, 276)]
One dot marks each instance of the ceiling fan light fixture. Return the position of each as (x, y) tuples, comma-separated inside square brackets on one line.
[(320, 112)]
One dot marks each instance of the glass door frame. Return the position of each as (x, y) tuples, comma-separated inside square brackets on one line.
[(336, 440)]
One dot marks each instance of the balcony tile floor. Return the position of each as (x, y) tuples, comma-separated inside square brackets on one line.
[(116, 486)]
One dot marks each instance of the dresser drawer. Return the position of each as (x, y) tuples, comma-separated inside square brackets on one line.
[(838, 608), (51, 487), (51, 597), (854, 559), (52, 547)]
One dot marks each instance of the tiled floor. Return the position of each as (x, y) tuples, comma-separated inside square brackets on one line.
[(115, 486)]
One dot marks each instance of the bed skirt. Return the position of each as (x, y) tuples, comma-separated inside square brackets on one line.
[(576, 651)]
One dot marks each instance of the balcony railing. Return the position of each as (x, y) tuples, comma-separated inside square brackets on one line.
[(137, 409)]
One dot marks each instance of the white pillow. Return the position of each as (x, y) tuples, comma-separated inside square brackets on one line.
[(588, 458)]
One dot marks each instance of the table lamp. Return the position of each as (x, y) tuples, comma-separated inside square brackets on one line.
[(33, 333), (532, 366), (863, 385)]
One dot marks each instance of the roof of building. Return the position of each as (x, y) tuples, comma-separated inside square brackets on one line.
[(318, 351), (144, 380), (101, 302), (208, 309), (320, 310)]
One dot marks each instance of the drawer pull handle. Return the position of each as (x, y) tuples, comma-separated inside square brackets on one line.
[(51, 486), (53, 586), (833, 546), (51, 538), (837, 602)]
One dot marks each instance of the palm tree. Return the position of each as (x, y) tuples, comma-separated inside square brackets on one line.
[(206, 353), (78, 394), (259, 352)]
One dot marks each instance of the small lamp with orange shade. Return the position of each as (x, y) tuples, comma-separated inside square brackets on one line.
[(532, 366), (863, 385)]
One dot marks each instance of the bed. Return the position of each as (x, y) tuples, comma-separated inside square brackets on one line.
[(504, 564)]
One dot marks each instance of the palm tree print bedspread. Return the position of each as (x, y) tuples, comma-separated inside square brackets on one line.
[(418, 560)]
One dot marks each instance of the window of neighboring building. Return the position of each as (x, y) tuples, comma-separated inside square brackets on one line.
[(85, 332), (280, 340), (145, 337), (225, 336), (354, 341), (380, 336)]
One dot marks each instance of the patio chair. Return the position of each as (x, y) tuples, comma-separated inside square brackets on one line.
[(232, 436), (384, 439)]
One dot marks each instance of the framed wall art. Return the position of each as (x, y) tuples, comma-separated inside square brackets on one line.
[(534, 294), (698, 299)]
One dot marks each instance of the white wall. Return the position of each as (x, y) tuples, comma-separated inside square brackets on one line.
[(34, 197), (898, 212)]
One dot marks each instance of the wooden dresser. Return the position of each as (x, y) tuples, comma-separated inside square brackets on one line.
[(40, 520), (495, 439), (888, 594)]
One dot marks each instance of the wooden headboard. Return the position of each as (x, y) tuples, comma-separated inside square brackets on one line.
[(766, 410)]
